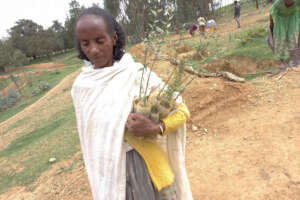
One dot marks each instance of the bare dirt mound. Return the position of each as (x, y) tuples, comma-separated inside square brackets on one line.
[(239, 65), (248, 149), (207, 97), (48, 66)]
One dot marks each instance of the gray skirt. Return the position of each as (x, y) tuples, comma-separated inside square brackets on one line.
[(138, 182)]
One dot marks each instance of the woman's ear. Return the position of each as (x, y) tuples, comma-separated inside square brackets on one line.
[(115, 39)]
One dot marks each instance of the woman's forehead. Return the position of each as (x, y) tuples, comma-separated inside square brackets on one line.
[(91, 22)]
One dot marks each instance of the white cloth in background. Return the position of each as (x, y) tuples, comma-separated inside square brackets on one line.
[(211, 23), (103, 100)]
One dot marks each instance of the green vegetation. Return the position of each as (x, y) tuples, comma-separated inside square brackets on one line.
[(225, 14), (252, 43), (256, 49), (56, 138), (52, 77)]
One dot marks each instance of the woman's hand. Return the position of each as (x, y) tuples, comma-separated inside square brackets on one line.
[(140, 126)]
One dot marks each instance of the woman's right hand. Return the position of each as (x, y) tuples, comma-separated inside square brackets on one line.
[(141, 126)]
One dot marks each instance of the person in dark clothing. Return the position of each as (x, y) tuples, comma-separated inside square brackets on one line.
[(237, 13), (193, 28)]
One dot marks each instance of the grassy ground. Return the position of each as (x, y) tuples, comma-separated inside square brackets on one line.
[(250, 42), (52, 59), (4, 82), (52, 77), (56, 138), (51, 132), (225, 14)]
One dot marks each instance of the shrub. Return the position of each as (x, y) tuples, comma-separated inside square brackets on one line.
[(44, 85), (202, 49), (3, 103), (13, 97), (35, 91)]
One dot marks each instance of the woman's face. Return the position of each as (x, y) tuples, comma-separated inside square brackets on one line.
[(95, 40)]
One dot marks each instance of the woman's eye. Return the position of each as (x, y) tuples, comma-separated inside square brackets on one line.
[(100, 41), (84, 43)]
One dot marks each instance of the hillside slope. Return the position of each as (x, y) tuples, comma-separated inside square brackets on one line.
[(246, 145)]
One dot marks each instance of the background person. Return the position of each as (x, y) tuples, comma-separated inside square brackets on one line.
[(211, 25), (193, 28), (202, 25), (237, 13), (284, 23)]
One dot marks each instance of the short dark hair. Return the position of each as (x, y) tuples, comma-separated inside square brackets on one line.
[(113, 27)]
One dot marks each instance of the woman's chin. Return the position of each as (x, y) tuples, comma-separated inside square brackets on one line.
[(102, 64)]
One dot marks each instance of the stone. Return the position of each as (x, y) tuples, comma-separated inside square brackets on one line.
[(194, 128), (52, 160)]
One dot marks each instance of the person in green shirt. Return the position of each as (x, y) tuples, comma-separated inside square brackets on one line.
[(284, 23), (298, 5)]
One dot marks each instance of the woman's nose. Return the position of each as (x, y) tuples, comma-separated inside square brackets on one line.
[(94, 49)]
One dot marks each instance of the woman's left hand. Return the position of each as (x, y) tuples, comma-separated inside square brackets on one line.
[(140, 126)]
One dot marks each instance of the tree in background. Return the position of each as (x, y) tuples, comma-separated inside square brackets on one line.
[(113, 6), (58, 32), (68, 36), (135, 15), (10, 57), (31, 39), (22, 33)]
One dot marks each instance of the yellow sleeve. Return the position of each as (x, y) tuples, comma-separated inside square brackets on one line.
[(177, 119)]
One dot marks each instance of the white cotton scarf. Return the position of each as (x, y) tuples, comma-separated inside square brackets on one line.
[(103, 100)]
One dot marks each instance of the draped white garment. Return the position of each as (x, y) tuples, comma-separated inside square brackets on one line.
[(103, 100)]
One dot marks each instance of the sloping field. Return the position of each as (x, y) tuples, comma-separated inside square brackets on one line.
[(244, 144)]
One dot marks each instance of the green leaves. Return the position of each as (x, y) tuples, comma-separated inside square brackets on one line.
[(154, 13)]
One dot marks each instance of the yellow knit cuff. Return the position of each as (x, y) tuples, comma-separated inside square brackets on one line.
[(177, 119)]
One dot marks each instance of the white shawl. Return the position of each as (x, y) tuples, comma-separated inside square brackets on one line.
[(103, 100)]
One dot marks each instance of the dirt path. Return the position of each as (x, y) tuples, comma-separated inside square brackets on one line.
[(246, 147)]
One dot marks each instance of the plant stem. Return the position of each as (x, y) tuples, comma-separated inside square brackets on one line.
[(145, 65), (155, 59), (166, 83), (184, 88)]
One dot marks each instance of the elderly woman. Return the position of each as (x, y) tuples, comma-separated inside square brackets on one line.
[(284, 24)]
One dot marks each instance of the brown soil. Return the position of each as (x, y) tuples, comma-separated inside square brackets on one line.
[(5, 91), (36, 66), (44, 66), (239, 65), (23, 74), (247, 144)]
